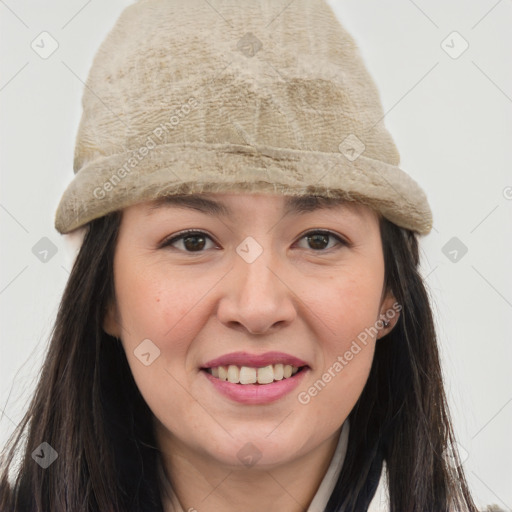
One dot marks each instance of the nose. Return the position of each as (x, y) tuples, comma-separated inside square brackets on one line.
[(257, 298)]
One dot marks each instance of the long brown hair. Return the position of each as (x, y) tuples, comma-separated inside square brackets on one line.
[(88, 408)]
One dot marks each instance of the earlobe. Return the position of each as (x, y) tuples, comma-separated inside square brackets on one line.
[(387, 325), (388, 318)]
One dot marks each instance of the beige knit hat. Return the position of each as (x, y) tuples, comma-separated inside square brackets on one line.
[(263, 96)]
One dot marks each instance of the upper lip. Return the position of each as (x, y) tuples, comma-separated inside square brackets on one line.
[(255, 360)]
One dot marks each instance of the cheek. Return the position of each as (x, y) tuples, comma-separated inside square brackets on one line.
[(165, 307), (151, 303), (349, 309), (151, 309), (348, 305)]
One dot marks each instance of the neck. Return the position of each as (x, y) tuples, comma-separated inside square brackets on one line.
[(200, 483)]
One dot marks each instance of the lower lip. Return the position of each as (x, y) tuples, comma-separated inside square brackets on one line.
[(256, 394)]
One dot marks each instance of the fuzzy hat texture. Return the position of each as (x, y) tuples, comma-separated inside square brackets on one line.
[(262, 96)]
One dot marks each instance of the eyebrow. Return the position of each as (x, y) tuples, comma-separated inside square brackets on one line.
[(293, 205)]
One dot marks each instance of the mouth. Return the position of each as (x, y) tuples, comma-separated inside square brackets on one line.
[(255, 379), (245, 375)]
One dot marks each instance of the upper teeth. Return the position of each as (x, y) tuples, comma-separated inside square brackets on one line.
[(250, 375)]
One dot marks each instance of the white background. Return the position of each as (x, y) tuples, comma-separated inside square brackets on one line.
[(450, 118)]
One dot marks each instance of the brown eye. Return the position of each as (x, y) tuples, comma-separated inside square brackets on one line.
[(319, 240), (193, 241)]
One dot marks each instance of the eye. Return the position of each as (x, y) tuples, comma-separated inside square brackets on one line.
[(318, 239), (195, 241)]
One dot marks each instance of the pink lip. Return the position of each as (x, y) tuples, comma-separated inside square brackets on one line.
[(255, 360), (256, 394)]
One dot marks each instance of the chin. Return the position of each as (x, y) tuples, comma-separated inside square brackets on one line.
[(252, 456), (256, 449)]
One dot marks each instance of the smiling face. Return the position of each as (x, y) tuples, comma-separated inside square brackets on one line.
[(264, 285)]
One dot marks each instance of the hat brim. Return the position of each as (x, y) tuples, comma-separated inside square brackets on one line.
[(114, 182)]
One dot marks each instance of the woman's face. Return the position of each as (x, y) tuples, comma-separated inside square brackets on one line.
[(260, 295)]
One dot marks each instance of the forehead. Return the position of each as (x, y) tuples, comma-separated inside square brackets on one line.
[(224, 205)]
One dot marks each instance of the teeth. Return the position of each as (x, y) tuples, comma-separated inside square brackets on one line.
[(249, 375), (266, 375), (233, 373), (223, 373)]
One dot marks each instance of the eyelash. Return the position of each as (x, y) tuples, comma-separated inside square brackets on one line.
[(192, 232)]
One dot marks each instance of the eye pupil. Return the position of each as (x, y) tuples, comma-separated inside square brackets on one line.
[(193, 246), (318, 237)]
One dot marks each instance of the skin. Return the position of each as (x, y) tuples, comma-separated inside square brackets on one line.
[(296, 297)]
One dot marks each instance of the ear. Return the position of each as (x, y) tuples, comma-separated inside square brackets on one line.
[(111, 324), (389, 314)]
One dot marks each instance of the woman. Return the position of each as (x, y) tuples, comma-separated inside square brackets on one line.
[(244, 327)]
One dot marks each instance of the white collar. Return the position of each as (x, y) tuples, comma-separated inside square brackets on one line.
[(323, 493)]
